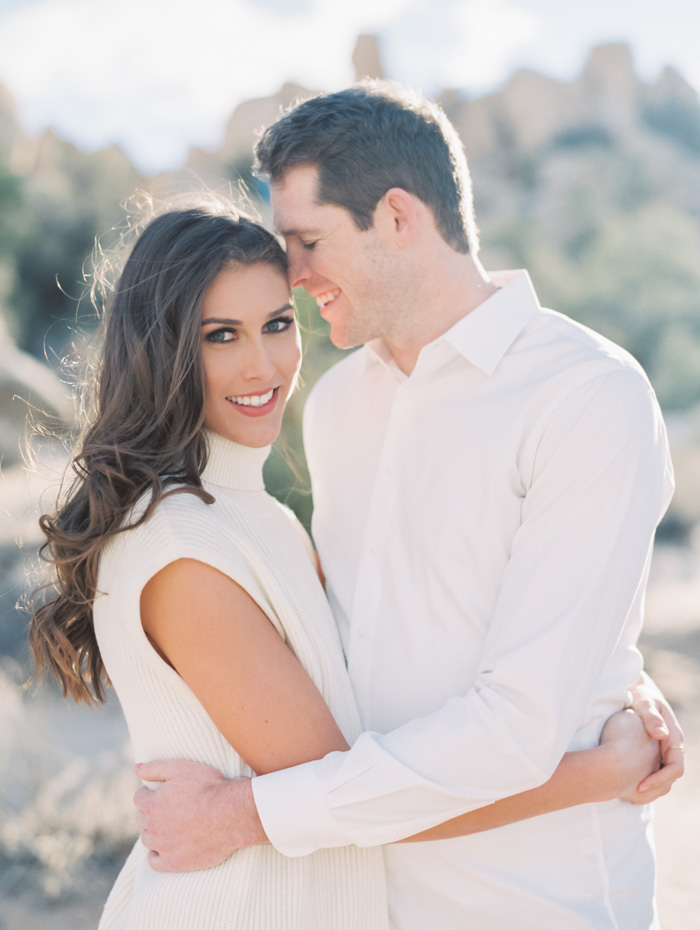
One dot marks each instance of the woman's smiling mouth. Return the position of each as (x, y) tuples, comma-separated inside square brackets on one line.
[(255, 405)]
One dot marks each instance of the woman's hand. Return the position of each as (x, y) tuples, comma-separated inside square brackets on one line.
[(661, 723), (634, 755)]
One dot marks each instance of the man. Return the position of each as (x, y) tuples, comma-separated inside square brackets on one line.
[(487, 479)]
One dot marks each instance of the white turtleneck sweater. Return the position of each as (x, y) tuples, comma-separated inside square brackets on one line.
[(251, 538)]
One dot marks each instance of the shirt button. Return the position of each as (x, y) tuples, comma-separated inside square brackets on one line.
[(389, 470), (372, 549)]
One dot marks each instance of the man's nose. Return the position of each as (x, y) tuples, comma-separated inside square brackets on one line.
[(299, 271)]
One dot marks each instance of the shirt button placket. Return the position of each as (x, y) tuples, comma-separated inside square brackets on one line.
[(369, 580)]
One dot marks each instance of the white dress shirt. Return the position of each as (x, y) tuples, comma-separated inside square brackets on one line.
[(485, 526)]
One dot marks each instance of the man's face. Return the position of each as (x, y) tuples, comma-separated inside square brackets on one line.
[(351, 273)]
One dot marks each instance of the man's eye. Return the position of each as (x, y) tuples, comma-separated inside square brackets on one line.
[(309, 245)]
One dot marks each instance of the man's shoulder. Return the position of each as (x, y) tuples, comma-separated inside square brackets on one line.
[(570, 370), (572, 345)]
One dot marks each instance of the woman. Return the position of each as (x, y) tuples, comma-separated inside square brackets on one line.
[(181, 579)]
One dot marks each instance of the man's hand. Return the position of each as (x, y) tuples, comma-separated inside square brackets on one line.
[(196, 818), (660, 722)]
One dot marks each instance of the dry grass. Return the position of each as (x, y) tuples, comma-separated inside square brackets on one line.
[(65, 796)]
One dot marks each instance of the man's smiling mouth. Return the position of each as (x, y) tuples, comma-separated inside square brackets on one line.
[(327, 297)]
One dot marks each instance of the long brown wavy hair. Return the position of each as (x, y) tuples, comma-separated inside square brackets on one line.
[(143, 417)]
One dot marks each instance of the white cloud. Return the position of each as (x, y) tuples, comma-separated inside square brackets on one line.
[(458, 44), (164, 74)]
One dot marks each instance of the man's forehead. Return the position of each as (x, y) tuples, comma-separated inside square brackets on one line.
[(299, 217), (293, 195), (289, 223), (298, 181)]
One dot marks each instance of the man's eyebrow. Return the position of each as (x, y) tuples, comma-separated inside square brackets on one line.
[(297, 232), (227, 321)]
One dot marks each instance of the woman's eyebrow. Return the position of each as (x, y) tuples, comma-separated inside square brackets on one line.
[(226, 321)]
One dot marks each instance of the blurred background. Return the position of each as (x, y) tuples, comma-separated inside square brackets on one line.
[(581, 125)]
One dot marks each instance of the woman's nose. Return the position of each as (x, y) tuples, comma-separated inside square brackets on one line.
[(258, 365)]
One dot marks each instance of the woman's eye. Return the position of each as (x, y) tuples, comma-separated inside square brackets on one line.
[(280, 324), (221, 335)]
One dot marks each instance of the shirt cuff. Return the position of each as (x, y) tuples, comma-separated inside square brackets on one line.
[(294, 812)]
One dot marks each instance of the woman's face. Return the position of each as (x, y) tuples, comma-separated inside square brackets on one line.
[(250, 351)]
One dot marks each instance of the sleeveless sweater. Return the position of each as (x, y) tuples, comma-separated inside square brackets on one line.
[(249, 536)]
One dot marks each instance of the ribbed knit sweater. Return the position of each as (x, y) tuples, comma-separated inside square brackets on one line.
[(251, 538)]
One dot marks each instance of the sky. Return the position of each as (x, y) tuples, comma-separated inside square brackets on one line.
[(160, 76)]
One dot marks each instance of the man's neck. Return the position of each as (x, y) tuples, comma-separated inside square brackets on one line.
[(457, 288)]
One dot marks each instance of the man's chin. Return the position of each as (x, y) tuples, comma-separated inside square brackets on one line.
[(345, 340)]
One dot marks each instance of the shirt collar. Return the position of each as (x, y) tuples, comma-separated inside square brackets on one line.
[(378, 351), (483, 336)]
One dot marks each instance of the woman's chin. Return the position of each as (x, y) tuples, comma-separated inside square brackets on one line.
[(255, 438)]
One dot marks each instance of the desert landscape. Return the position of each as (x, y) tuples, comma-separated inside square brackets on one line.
[(592, 184)]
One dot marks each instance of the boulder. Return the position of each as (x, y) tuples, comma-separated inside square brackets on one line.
[(30, 392)]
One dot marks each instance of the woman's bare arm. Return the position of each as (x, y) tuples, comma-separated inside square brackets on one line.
[(613, 769), (250, 683)]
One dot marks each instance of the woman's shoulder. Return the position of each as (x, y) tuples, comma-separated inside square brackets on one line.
[(180, 518), (175, 511), (182, 525)]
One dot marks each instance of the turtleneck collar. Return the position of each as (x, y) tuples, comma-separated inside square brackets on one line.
[(233, 466)]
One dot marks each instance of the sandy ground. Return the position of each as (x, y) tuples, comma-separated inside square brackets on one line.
[(671, 646)]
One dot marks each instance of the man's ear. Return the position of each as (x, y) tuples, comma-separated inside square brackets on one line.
[(399, 213)]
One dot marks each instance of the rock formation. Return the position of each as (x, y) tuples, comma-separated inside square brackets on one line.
[(532, 111), (244, 126), (367, 59)]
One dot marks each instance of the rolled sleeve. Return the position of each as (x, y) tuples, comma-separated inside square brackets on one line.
[(294, 813)]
